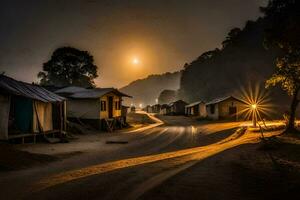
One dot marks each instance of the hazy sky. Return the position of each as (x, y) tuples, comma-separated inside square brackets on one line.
[(163, 34)]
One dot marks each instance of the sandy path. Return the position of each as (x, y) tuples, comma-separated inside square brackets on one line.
[(131, 188), (150, 153)]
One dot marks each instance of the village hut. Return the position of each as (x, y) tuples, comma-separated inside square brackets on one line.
[(148, 109), (132, 109), (28, 110), (164, 109), (156, 108), (100, 108), (177, 108), (228, 107), (125, 110), (197, 109)]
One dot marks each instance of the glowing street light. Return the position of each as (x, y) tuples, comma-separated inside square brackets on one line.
[(254, 110), (257, 103)]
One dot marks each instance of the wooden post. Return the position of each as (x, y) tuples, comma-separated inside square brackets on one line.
[(65, 116), (61, 118), (254, 119)]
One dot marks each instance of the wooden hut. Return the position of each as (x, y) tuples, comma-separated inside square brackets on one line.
[(197, 109), (177, 108), (132, 109), (225, 108), (99, 107), (156, 108), (28, 110), (164, 109), (148, 109)]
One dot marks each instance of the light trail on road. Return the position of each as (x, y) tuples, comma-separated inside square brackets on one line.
[(197, 153)]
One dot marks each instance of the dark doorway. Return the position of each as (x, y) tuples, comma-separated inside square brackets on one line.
[(196, 110), (110, 107), (21, 114), (212, 108), (232, 112)]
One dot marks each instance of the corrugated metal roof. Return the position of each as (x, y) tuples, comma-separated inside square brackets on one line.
[(178, 101), (164, 106), (70, 89), (93, 93), (218, 100), (31, 91), (194, 104)]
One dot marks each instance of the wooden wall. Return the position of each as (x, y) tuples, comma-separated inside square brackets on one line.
[(4, 116), (224, 108), (202, 110), (116, 113), (83, 108), (91, 108), (210, 115)]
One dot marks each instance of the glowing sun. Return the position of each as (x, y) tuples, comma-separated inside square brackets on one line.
[(135, 61)]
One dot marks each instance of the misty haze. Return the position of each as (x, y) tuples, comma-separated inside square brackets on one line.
[(140, 99)]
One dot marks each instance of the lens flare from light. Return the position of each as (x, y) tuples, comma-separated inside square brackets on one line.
[(257, 102)]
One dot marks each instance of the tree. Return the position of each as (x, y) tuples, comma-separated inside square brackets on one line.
[(283, 24), (283, 32), (288, 76), (69, 66), (232, 36), (209, 54)]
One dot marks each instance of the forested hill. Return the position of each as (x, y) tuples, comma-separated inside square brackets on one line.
[(146, 90), (242, 61)]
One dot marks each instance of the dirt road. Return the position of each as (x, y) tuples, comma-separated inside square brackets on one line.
[(125, 171)]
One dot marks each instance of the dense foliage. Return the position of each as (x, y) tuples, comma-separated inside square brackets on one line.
[(242, 61), (69, 66), (219, 72), (283, 31)]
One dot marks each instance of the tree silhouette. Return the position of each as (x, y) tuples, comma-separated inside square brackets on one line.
[(283, 32), (288, 75), (283, 27), (231, 37), (69, 66)]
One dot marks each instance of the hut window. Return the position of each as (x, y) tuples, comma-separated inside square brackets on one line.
[(212, 109), (103, 106)]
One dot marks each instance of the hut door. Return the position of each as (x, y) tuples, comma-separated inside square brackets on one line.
[(232, 112), (23, 114), (110, 107)]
